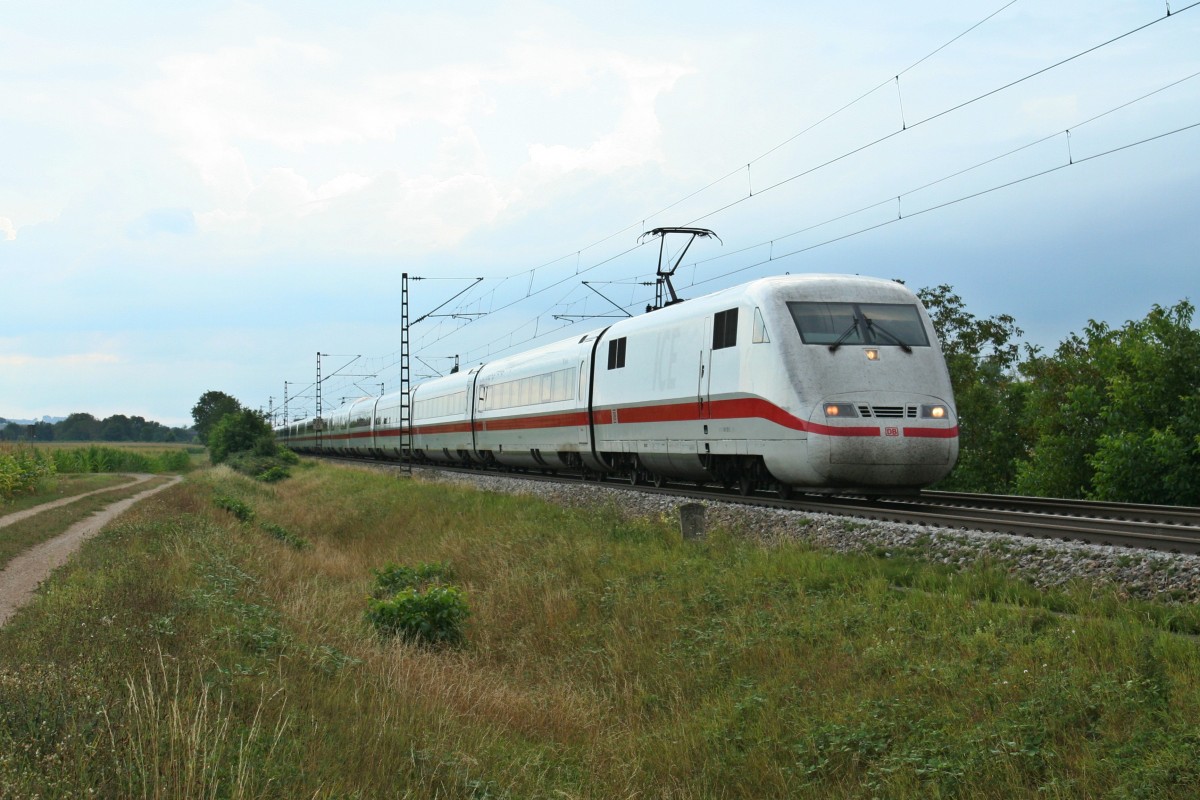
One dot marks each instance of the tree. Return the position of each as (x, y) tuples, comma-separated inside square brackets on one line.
[(241, 431), (78, 428), (1062, 411), (982, 356), (117, 428), (1116, 413), (210, 408)]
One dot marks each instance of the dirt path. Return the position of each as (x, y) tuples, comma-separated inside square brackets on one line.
[(17, 516), (20, 579)]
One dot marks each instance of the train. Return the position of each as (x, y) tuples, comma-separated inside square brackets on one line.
[(817, 383)]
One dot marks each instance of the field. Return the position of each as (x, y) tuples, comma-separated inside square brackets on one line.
[(213, 643), (35, 470)]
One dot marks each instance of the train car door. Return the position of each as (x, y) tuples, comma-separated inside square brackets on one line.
[(704, 378), (582, 401)]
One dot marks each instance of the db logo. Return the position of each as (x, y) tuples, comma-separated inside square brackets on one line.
[(891, 431)]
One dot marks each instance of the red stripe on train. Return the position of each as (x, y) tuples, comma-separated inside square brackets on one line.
[(738, 408)]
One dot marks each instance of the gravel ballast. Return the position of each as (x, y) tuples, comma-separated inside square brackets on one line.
[(1044, 563)]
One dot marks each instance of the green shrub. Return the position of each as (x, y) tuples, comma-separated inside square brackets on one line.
[(273, 474), (241, 432), (284, 535), (262, 468), (234, 506), (433, 617)]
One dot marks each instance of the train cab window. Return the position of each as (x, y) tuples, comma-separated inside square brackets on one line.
[(897, 324), (725, 329), (760, 329), (616, 353)]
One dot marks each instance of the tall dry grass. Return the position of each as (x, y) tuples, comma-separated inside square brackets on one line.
[(179, 744)]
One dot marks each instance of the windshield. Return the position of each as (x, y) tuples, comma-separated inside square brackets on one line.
[(896, 324)]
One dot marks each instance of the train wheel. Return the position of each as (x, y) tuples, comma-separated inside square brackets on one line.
[(659, 481), (784, 490), (746, 486), (635, 477)]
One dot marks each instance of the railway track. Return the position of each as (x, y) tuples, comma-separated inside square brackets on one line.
[(1165, 528)]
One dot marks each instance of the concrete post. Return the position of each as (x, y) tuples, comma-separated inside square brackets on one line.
[(691, 521)]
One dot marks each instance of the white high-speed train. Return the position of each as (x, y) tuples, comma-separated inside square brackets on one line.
[(822, 382)]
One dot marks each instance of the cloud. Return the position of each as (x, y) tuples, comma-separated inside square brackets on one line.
[(296, 138), (634, 138), (8, 231)]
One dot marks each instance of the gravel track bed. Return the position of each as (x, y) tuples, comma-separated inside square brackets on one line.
[(1044, 563)]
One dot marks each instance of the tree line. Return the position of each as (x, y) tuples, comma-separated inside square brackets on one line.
[(82, 427), (1110, 414)]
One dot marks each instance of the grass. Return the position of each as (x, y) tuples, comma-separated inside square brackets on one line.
[(190, 653), (64, 486)]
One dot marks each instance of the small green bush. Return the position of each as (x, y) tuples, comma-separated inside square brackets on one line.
[(284, 535), (234, 506), (417, 604), (434, 617), (273, 474), (262, 468)]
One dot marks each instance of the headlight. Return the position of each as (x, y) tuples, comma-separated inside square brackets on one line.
[(840, 410), (935, 412)]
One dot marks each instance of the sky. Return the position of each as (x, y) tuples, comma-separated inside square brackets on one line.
[(205, 196)]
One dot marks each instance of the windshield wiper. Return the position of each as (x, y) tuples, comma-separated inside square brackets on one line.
[(853, 328), (875, 326)]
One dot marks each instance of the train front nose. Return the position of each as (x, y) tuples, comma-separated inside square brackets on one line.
[(887, 441)]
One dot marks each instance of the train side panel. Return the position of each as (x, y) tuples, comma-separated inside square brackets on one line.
[(531, 409), (441, 419)]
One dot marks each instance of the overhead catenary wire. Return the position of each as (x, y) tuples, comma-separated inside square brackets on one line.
[(906, 129), (920, 212), (579, 270), (761, 156), (910, 127), (578, 252), (773, 256)]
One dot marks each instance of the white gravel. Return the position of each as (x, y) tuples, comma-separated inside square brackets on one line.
[(1143, 574)]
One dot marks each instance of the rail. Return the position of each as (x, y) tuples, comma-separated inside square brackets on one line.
[(1166, 528)]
